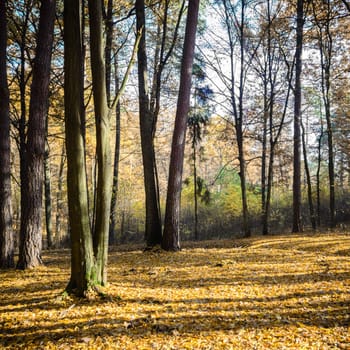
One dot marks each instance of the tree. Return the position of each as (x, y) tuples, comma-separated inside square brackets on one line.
[(47, 191), (274, 76), (153, 230), (238, 22), (31, 200), (326, 49), (110, 61), (89, 243), (6, 232), (83, 274), (308, 179), (297, 120), (103, 152), (197, 120), (171, 234), (149, 105)]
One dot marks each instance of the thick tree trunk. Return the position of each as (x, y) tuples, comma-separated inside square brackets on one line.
[(83, 274), (31, 219), (6, 232), (297, 121), (103, 151), (171, 235), (153, 233)]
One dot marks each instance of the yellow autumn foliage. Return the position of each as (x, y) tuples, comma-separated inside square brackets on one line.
[(280, 292)]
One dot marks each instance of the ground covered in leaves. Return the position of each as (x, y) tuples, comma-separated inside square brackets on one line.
[(285, 292)]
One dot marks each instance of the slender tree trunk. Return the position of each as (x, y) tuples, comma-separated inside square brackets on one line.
[(318, 176), (297, 120), (308, 180), (59, 199), (239, 128), (48, 201), (171, 235), (264, 216), (108, 49), (195, 192), (102, 122), (115, 182), (327, 105), (31, 219), (325, 41), (23, 117), (109, 61), (23, 103), (83, 274), (237, 101), (153, 233), (6, 232)]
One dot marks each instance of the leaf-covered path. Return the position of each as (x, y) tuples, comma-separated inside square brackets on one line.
[(285, 292)]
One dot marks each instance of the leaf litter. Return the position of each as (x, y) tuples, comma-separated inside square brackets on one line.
[(279, 292)]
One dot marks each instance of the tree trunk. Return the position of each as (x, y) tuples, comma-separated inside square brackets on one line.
[(31, 219), (115, 182), (103, 151), (59, 199), (171, 235), (239, 127), (108, 49), (308, 181), (83, 274), (237, 101), (23, 102), (195, 192), (297, 120), (318, 176), (326, 86), (264, 214), (153, 233), (6, 232), (48, 205)]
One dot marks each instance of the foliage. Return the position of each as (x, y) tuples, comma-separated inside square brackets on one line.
[(286, 292), (229, 196)]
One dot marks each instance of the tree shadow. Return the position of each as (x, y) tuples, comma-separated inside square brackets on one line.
[(202, 316)]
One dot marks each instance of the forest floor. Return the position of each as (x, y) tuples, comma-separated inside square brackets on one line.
[(279, 292)]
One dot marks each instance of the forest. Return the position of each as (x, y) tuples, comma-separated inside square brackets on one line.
[(149, 138)]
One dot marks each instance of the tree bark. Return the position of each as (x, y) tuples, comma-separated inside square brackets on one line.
[(115, 181), (237, 101), (31, 219), (59, 199), (326, 52), (103, 151), (308, 181), (171, 235), (6, 232), (48, 201), (153, 231), (297, 120), (83, 274)]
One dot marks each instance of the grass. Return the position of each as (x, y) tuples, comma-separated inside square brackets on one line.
[(281, 292)]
